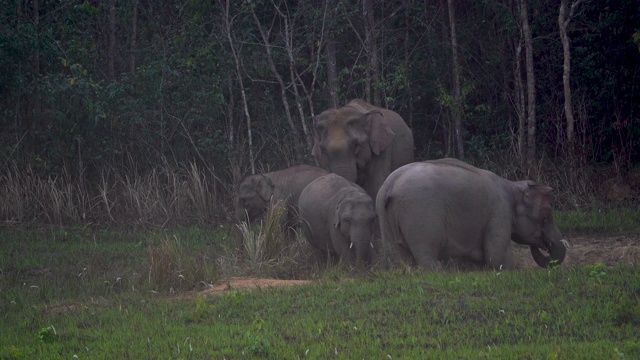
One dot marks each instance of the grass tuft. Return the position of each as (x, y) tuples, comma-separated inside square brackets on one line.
[(172, 267)]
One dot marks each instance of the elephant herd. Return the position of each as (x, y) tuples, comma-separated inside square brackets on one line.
[(432, 212)]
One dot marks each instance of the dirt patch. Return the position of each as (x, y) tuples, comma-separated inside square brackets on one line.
[(583, 250), (248, 284), (592, 249)]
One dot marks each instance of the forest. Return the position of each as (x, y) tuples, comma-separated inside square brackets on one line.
[(150, 112)]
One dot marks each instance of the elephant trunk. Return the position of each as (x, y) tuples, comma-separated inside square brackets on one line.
[(361, 240), (555, 244), (346, 169)]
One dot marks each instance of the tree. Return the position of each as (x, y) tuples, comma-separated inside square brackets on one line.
[(236, 60), (283, 89), (531, 85), (372, 90), (563, 23), (456, 109)]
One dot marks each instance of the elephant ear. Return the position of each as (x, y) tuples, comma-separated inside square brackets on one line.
[(380, 134), (538, 199), (263, 186)]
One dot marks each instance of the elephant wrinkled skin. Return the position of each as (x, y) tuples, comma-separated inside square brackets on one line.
[(255, 192), (446, 209), (362, 143), (338, 218)]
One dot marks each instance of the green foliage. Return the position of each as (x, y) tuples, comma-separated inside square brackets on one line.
[(47, 335), (597, 271)]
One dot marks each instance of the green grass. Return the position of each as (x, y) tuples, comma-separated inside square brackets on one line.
[(94, 294)]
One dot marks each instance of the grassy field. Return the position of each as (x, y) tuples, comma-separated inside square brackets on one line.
[(133, 294)]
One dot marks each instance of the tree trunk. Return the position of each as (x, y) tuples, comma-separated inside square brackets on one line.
[(111, 53), (563, 23), (230, 110), (332, 73), (456, 109), (36, 116), (288, 39), (373, 72), (276, 74), (236, 60), (134, 36), (520, 102), (531, 85)]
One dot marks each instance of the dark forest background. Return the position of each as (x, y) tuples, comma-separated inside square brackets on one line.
[(149, 112)]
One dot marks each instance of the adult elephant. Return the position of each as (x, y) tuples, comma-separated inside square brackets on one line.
[(256, 191), (362, 143), (449, 210), (338, 218)]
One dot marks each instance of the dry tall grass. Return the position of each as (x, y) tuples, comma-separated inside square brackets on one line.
[(267, 253), (171, 267), (182, 196)]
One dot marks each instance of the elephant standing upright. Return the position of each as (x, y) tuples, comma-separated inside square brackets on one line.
[(362, 143), (449, 210), (338, 218), (255, 192)]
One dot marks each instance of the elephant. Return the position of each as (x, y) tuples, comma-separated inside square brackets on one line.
[(255, 192), (448, 210), (338, 219), (362, 143)]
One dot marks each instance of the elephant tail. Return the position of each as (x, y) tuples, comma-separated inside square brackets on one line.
[(388, 217)]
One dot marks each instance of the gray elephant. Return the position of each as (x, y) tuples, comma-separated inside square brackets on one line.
[(449, 210), (362, 143), (255, 192), (338, 218)]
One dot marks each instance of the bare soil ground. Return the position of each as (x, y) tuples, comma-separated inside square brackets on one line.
[(592, 249), (249, 283), (583, 250)]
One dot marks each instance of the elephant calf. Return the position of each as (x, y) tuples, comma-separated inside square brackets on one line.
[(449, 210), (338, 218), (255, 192)]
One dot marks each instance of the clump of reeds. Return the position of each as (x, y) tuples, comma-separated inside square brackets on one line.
[(171, 267)]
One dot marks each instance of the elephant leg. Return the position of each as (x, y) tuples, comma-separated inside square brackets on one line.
[(405, 255), (424, 240), (497, 247)]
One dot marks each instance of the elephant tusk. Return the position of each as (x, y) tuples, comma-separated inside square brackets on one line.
[(370, 243), (350, 246), (565, 243)]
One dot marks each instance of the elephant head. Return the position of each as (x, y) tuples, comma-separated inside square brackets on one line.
[(347, 138), (353, 226), (254, 194), (534, 225)]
